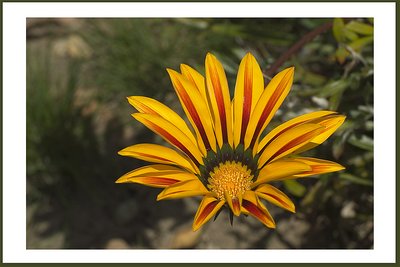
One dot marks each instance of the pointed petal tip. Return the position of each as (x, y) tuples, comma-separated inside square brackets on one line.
[(292, 209), (251, 57), (195, 227), (233, 203), (340, 167), (120, 180), (289, 71), (136, 115), (160, 196), (210, 57), (183, 67), (236, 206), (171, 72)]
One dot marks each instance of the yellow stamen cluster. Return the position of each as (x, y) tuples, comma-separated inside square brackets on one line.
[(230, 177)]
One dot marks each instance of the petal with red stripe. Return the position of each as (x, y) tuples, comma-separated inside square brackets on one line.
[(151, 106), (183, 189), (218, 92), (248, 89), (289, 141), (234, 203), (156, 175), (330, 123), (196, 109), (196, 79), (318, 166), (208, 207), (269, 102), (171, 134), (159, 154), (253, 206), (280, 169), (275, 196), (309, 117)]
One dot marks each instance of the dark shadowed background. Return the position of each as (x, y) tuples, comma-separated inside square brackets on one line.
[(79, 73)]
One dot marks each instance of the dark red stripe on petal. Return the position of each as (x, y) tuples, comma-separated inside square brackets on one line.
[(235, 205), (206, 211), (318, 169), (219, 97), (255, 211), (144, 109), (174, 141), (269, 107), (152, 156), (159, 181), (193, 114), (321, 121), (247, 99), (279, 133), (283, 203), (296, 141)]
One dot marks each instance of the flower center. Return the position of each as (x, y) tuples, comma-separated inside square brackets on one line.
[(230, 178)]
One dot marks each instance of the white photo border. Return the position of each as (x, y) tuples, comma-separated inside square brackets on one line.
[(14, 129)]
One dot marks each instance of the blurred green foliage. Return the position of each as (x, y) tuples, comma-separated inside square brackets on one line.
[(78, 118)]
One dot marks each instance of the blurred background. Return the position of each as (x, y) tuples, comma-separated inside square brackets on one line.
[(79, 73)]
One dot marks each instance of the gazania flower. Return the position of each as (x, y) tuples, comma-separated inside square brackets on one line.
[(221, 156)]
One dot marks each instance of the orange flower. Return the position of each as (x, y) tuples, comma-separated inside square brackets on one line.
[(223, 158)]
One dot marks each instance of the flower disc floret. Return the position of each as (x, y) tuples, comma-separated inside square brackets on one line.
[(232, 178)]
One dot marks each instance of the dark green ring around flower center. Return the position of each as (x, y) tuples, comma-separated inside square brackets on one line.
[(227, 153)]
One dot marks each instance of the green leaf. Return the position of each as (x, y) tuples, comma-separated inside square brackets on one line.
[(313, 79), (360, 27), (337, 28), (337, 148), (350, 34), (294, 187), (341, 54), (355, 179), (312, 194), (358, 44), (365, 142), (333, 88)]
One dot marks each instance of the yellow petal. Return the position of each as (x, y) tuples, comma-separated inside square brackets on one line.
[(253, 206), (159, 154), (318, 166), (330, 123), (269, 102), (248, 89), (196, 109), (280, 169), (289, 141), (183, 189), (156, 175), (234, 203), (196, 79), (275, 196), (291, 123), (218, 92), (151, 106), (207, 208), (171, 134)]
